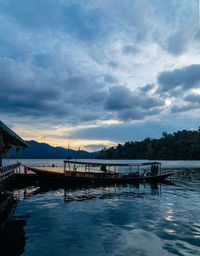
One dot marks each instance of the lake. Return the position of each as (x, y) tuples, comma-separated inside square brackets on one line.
[(158, 219)]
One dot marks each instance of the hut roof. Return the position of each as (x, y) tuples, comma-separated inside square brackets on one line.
[(10, 137)]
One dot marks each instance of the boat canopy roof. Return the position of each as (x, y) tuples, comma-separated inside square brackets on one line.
[(109, 164), (11, 138)]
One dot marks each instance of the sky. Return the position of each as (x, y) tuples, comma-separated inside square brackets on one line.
[(93, 74)]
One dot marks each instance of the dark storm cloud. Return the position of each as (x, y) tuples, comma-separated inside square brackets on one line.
[(25, 90), (130, 106), (137, 113), (40, 92), (34, 92), (179, 79), (120, 98)]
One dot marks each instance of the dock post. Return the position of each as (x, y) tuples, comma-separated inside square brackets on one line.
[(0, 159), (1, 149)]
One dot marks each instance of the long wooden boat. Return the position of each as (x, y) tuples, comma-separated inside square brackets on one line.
[(93, 172)]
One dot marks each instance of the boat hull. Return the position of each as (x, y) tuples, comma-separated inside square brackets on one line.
[(73, 178)]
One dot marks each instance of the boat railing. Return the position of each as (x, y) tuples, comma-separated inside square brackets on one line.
[(130, 169)]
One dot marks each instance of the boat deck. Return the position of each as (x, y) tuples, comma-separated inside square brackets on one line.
[(51, 169), (61, 169)]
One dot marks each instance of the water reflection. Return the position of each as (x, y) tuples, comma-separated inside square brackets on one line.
[(7, 206), (12, 237), (89, 192), (141, 219)]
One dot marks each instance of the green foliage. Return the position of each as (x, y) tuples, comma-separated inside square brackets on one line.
[(181, 145)]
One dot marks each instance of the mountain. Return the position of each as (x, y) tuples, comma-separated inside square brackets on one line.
[(45, 151)]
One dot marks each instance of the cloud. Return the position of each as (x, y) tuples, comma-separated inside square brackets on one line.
[(113, 64), (193, 98), (146, 88), (81, 62), (127, 131), (177, 43), (180, 84), (86, 24), (189, 102), (130, 49), (183, 108), (36, 92), (40, 92), (110, 79), (181, 79), (129, 105), (45, 16), (120, 98), (93, 148)]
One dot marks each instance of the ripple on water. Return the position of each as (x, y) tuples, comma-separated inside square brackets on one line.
[(122, 220)]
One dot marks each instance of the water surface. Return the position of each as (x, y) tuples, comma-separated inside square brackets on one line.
[(159, 219)]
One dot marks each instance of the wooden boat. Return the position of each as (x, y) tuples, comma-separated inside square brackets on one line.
[(93, 172)]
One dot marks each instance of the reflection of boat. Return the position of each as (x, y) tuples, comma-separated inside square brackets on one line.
[(86, 191), (92, 172), (12, 237), (7, 206)]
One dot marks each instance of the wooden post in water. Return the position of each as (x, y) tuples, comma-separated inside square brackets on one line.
[(1, 149), (64, 167), (0, 159)]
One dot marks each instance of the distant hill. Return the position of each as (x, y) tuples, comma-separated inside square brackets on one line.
[(45, 151), (181, 145)]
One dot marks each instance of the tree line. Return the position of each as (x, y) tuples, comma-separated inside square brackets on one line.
[(181, 145)]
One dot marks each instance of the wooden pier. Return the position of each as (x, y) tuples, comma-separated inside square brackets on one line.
[(7, 172), (8, 140)]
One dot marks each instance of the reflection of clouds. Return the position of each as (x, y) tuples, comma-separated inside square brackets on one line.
[(113, 220), (170, 211), (170, 231), (50, 205), (138, 242), (196, 228)]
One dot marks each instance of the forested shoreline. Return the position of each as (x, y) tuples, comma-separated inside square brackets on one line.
[(181, 145)]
